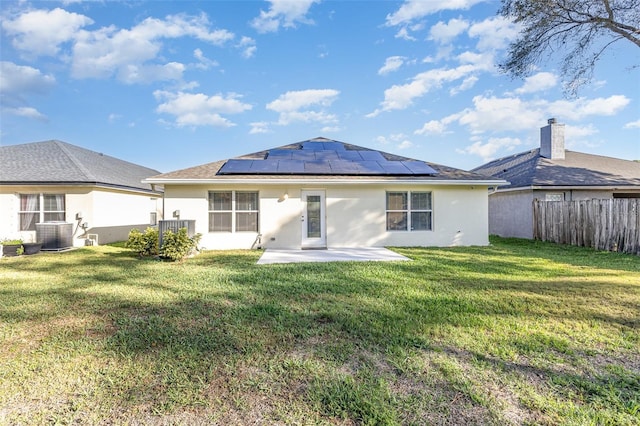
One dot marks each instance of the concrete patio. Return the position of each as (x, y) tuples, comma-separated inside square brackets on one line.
[(363, 254)]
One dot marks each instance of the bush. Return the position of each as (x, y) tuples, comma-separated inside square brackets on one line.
[(177, 246), (143, 243)]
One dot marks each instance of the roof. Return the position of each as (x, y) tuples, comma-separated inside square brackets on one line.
[(56, 162), (320, 159), (577, 169)]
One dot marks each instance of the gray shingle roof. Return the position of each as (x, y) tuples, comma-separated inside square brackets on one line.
[(212, 170), (59, 162), (576, 170)]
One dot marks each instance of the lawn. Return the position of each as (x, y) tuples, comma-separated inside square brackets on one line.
[(516, 333)]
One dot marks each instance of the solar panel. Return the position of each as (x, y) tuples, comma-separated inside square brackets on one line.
[(236, 166), (333, 146), (419, 168), (394, 168), (302, 155), (319, 167), (325, 158), (312, 146), (264, 166), (349, 155), (290, 166), (278, 154), (367, 167), (343, 167), (371, 155), (326, 155)]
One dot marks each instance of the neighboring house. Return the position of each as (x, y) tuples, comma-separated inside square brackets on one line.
[(323, 193), (552, 173), (54, 181)]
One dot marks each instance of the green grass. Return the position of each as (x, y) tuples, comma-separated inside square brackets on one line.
[(516, 333)]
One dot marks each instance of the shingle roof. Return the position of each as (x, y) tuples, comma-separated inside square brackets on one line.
[(211, 171), (576, 170), (59, 162)]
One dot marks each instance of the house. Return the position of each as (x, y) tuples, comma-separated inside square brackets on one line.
[(552, 173), (53, 181), (322, 193)]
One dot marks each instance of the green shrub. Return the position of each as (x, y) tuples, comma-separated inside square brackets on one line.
[(143, 243), (178, 245)]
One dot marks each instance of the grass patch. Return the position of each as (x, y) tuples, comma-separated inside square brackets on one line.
[(519, 332)]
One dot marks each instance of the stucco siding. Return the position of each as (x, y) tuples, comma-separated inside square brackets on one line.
[(511, 214), (355, 216), (109, 213)]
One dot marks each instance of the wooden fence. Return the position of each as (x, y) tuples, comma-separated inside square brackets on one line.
[(612, 225)]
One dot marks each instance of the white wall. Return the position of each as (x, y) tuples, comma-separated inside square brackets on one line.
[(109, 213), (355, 216)]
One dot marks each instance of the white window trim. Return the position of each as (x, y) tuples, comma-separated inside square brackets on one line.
[(41, 211), (233, 212), (408, 211)]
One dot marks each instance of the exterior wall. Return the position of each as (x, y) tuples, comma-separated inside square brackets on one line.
[(355, 216), (109, 213), (511, 212)]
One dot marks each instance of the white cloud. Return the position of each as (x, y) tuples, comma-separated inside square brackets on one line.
[(405, 144), (488, 150), (581, 108), (444, 33), (19, 79), (40, 32), (538, 82), (403, 33), (392, 63), (204, 63), (125, 53), (259, 127), (17, 82), (402, 96), (466, 84), (511, 114), (27, 112), (198, 109), (285, 13), (416, 9), (248, 47), (432, 127), (295, 100), (494, 33), (632, 125), (502, 114)]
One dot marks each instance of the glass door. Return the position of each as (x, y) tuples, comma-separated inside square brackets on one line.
[(313, 220)]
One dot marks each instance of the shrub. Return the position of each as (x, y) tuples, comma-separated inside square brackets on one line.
[(144, 243), (178, 245)]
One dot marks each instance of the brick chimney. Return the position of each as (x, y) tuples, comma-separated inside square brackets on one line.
[(552, 140)]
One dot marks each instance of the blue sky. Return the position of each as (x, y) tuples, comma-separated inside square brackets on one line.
[(176, 84)]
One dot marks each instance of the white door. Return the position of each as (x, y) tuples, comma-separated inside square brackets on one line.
[(313, 220)]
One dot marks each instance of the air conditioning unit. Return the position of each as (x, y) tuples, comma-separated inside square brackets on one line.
[(174, 225), (55, 235)]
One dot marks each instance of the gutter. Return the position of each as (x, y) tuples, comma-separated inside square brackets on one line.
[(439, 182)]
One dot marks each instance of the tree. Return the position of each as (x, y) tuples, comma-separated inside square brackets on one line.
[(577, 30)]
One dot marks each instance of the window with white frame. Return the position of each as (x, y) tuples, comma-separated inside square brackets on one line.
[(39, 208), (233, 211), (409, 211)]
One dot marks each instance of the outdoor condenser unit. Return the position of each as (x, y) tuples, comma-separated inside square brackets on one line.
[(174, 225), (55, 235)]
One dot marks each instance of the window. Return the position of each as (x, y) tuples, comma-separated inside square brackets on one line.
[(409, 211), (153, 219), (554, 197), (233, 211), (39, 208)]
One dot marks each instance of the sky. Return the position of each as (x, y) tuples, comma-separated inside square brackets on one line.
[(175, 84)]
